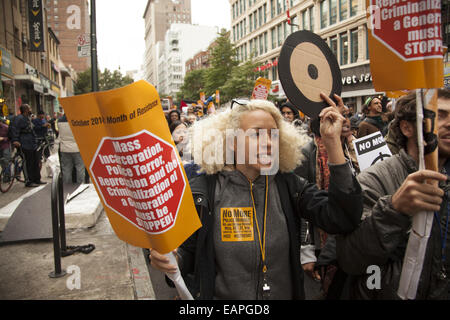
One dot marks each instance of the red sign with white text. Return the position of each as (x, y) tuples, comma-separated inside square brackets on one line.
[(139, 178)]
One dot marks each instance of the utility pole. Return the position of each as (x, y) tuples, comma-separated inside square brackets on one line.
[(94, 71)]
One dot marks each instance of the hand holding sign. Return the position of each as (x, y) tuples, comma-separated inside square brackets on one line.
[(306, 68), (415, 196), (126, 144)]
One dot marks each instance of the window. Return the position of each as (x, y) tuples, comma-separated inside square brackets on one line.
[(324, 14), (294, 24), (279, 6), (265, 42), (255, 23), (311, 18), (285, 29), (260, 17), (344, 48), (265, 12), (280, 34), (261, 47), (250, 25), (354, 45), (305, 20), (274, 71), (333, 46), (343, 9), (367, 43), (272, 9), (274, 38), (353, 7), (333, 12)]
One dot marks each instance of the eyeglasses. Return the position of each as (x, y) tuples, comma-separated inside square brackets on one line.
[(240, 102)]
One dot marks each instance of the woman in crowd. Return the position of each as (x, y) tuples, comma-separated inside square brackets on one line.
[(250, 206)]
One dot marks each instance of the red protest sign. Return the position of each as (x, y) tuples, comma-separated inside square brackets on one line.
[(416, 25), (139, 178), (405, 42)]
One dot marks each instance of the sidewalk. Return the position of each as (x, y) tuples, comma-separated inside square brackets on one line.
[(114, 270)]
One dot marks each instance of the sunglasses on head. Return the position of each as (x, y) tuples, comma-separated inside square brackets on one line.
[(241, 102)]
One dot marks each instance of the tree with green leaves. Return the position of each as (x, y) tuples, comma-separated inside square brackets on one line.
[(223, 60), (107, 80), (241, 81), (194, 83)]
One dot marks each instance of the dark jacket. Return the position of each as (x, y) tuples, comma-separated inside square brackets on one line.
[(334, 211), (22, 131), (382, 237)]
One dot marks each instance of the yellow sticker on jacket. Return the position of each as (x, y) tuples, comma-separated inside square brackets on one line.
[(236, 224)]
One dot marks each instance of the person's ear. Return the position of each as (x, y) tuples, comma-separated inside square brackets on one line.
[(407, 128)]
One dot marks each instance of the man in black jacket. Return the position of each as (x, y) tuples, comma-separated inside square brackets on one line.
[(23, 136), (394, 191)]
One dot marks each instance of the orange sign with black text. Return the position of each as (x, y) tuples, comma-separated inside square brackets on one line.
[(405, 44), (127, 147)]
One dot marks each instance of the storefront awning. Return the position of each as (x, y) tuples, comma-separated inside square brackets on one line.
[(27, 77)]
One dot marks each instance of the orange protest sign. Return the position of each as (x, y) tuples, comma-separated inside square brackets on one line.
[(262, 88), (405, 44), (217, 96), (128, 150)]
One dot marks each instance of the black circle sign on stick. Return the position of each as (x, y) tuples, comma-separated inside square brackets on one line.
[(306, 67)]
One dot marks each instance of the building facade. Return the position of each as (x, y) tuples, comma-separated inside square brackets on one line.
[(259, 28), (198, 61), (34, 77), (181, 42), (158, 16), (70, 21)]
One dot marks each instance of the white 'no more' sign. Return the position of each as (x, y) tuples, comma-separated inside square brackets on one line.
[(371, 149)]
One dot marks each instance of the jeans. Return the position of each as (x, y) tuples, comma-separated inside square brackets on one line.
[(69, 160)]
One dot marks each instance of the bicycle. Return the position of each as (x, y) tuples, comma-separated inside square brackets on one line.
[(7, 173), (14, 170), (45, 147)]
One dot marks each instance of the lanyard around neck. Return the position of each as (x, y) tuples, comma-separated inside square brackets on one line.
[(262, 243)]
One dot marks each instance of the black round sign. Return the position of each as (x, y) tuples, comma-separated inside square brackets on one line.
[(306, 67)]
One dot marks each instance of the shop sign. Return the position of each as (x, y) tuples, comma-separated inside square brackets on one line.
[(6, 65), (354, 79)]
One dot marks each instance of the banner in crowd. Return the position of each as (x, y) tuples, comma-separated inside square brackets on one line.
[(370, 149), (128, 150), (405, 44), (261, 89)]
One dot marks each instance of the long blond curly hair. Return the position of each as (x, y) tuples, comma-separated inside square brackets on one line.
[(210, 133)]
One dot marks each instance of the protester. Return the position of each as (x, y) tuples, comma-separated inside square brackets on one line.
[(178, 130), (23, 136), (316, 242), (70, 157), (41, 125), (191, 118), (291, 114), (267, 263), (174, 115), (394, 191), (373, 121)]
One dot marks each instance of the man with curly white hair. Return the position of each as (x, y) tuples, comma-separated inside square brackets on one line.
[(250, 203)]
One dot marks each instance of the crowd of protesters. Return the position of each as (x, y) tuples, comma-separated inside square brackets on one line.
[(26, 131), (319, 221)]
